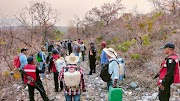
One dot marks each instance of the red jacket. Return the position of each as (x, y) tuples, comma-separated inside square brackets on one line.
[(163, 70), (30, 71), (54, 57)]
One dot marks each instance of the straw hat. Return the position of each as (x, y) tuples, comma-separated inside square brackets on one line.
[(75, 42), (72, 59), (111, 52)]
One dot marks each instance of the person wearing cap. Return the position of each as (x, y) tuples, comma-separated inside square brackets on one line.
[(22, 59), (92, 58), (169, 72), (52, 68), (113, 67), (33, 71), (73, 92), (103, 58)]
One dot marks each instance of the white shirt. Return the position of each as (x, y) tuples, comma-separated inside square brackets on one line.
[(114, 69)]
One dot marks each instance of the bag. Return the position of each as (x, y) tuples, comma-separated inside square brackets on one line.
[(105, 76), (38, 57), (59, 64), (16, 62), (121, 63), (78, 49), (72, 79)]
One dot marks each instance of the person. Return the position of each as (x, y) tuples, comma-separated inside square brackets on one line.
[(75, 48), (169, 72), (113, 67), (42, 62), (52, 68), (69, 47), (92, 58), (103, 58), (73, 92), (23, 60), (33, 71), (51, 46), (79, 41), (82, 48)]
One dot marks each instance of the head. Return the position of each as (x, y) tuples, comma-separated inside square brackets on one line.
[(91, 44), (81, 42), (72, 59), (168, 48), (30, 60), (43, 48), (54, 51), (24, 50), (110, 52), (103, 44)]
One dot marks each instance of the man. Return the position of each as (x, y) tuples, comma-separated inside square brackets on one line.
[(52, 67), (113, 67), (51, 46), (92, 58), (69, 47), (42, 60), (76, 48), (169, 72), (72, 92), (104, 58), (23, 60), (32, 71), (82, 48)]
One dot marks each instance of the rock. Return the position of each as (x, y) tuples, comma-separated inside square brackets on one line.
[(138, 89), (146, 97), (133, 85), (154, 96), (178, 91)]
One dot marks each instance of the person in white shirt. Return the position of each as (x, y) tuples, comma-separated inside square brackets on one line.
[(82, 48), (113, 66)]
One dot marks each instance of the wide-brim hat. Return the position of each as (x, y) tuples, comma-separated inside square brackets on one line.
[(75, 42), (110, 52), (72, 59)]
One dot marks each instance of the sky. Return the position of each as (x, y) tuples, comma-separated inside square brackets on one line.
[(70, 8)]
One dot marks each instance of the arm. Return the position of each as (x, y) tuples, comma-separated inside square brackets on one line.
[(116, 73), (23, 61), (170, 71), (43, 57), (50, 64), (41, 70), (83, 82)]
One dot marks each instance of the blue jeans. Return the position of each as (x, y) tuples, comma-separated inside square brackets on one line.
[(41, 66), (70, 97)]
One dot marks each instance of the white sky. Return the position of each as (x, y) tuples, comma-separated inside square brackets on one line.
[(70, 8)]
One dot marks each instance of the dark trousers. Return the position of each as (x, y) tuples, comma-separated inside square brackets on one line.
[(31, 92), (70, 51), (83, 53), (56, 84), (164, 95), (92, 66)]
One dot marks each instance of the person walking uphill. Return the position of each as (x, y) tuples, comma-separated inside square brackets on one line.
[(32, 71), (52, 67), (73, 78), (23, 60), (113, 67), (92, 58), (169, 72)]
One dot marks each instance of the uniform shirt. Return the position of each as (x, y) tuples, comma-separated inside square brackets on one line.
[(69, 91), (104, 58), (82, 47), (23, 60), (169, 77), (93, 56), (113, 69)]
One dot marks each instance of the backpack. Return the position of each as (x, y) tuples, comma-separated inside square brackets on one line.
[(121, 63), (105, 76), (16, 62), (72, 79), (38, 57), (78, 49)]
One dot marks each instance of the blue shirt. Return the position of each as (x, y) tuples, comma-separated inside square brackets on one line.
[(23, 60), (104, 58)]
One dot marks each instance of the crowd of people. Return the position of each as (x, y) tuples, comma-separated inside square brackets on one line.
[(70, 51)]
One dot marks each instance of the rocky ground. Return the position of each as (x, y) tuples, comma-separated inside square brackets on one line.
[(137, 86)]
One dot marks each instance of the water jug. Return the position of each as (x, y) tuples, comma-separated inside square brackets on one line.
[(115, 94)]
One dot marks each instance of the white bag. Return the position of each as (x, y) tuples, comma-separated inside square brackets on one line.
[(72, 79), (59, 64), (121, 69)]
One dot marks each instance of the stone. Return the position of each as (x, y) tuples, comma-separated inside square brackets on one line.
[(133, 85), (154, 96), (138, 89)]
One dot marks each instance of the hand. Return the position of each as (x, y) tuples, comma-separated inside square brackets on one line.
[(161, 87), (114, 86)]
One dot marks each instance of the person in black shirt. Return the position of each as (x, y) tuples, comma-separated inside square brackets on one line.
[(51, 46), (92, 58), (69, 47)]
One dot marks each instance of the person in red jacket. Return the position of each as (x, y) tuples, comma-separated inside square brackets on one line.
[(52, 68), (169, 72), (32, 71)]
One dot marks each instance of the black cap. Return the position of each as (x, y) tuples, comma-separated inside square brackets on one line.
[(91, 43), (54, 51), (168, 45), (30, 59), (23, 49)]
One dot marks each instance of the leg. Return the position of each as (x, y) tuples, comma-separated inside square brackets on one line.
[(68, 97), (94, 65), (61, 85), (83, 55), (91, 64), (77, 97), (164, 95), (56, 82), (31, 92), (43, 94)]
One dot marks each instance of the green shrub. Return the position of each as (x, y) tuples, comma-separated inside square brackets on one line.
[(146, 40), (99, 38), (135, 56), (126, 45)]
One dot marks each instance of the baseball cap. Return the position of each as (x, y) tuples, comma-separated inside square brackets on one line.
[(168, 45), (24, 49), (30, 59)]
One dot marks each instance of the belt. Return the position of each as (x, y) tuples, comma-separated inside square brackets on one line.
[(72, 87)]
